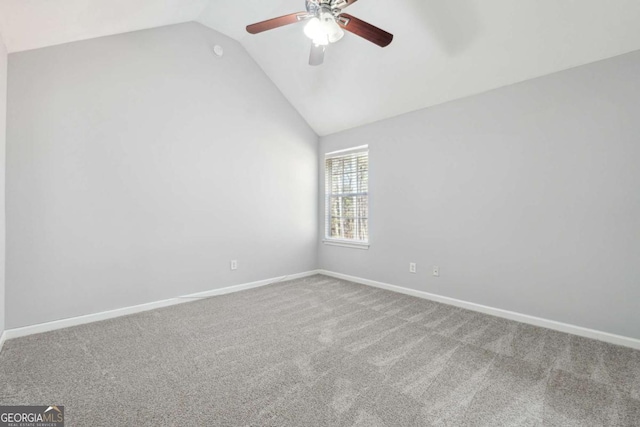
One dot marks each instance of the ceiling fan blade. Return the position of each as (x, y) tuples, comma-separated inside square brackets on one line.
[(317, 54), (365, 30), (281, 21), (343, 4)]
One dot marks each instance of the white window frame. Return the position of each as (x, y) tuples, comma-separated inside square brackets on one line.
[(357, 244)]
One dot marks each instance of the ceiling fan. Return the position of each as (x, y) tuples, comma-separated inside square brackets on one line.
[(326, 23)]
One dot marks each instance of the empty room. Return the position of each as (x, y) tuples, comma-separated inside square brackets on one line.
[(319, 213)]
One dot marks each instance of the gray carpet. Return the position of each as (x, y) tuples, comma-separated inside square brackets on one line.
[(320, 351)]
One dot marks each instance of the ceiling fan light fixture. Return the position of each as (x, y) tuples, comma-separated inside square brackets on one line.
[(331, 27), (337, 36), (324, 29), (316, 32)]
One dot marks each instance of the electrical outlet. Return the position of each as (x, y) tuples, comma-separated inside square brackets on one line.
[(412, 267), (234, 264), (436, 271)]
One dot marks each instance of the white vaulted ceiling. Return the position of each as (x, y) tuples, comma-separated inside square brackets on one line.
[(31, 24), (443, 49)]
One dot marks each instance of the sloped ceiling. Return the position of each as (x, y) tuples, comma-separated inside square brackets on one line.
[(31, 24), (443, 49)]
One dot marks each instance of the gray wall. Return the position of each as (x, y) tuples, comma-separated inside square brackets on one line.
[(3, 121), (526, 197), (140, 164)]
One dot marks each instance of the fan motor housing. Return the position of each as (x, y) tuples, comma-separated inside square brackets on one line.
[(316, 6)]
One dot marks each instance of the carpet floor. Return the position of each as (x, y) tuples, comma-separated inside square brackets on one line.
[(321, 352)]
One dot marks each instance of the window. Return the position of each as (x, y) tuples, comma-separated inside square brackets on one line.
[(347, 196)]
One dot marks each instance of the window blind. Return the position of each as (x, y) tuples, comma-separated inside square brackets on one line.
[(347, 195)]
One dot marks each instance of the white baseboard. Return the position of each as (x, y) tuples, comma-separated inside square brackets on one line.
[(96, 317), (518, 317), (532, 320)]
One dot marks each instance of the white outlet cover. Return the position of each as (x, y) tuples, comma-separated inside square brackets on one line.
[(436, 271), (412, 267)]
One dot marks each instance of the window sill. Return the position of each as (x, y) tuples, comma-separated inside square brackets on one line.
[(346, 244)]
